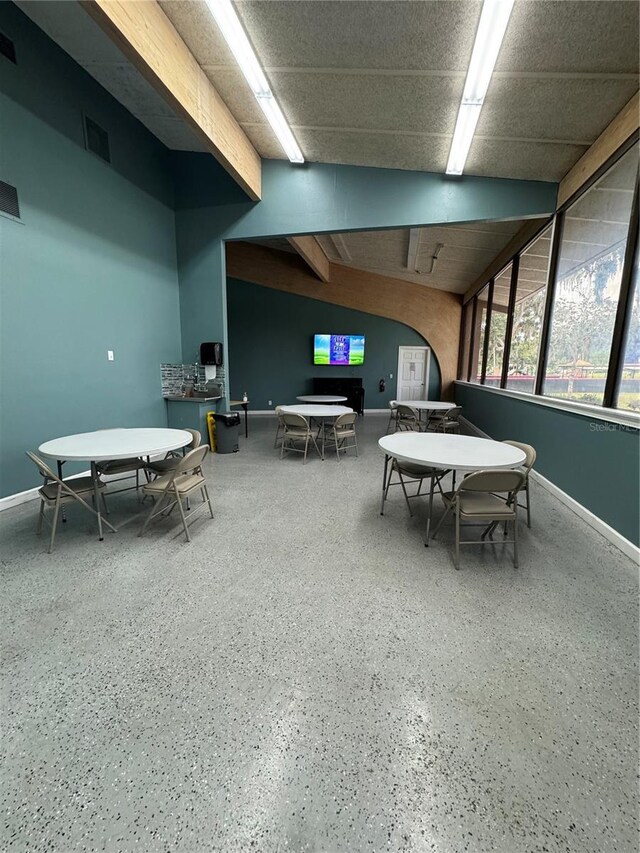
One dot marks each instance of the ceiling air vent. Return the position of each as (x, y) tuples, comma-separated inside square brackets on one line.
[(7, 48), (96, 139), (9, 200)]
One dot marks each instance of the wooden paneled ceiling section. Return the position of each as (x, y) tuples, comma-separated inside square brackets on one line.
[(378, 83)]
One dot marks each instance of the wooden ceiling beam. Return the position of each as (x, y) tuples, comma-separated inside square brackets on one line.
[(149, 40), (311, 252), (623, 126)]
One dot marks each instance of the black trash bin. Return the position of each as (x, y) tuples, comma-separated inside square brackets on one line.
[(227, 431)]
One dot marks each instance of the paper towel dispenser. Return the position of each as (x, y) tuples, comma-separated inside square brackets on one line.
[(211, 353)]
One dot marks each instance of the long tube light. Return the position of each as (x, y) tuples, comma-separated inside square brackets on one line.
[(491, 29), (227, 19)]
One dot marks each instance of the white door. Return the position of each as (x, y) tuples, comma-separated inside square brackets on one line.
[(413, 373)]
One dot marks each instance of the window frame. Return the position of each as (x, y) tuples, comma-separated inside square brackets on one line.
[(622, 321), (625, 305)]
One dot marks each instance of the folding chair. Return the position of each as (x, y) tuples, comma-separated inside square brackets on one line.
[(172, 459), (407, 419), (484, 497), (279, 427), (409, 473), (297, 429), (447, 421), (530, 458), (393, 416), (338, 433), (56, 492), (169, 490)]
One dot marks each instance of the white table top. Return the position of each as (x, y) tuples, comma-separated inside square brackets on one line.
[(426, 405), (313, 411), (321, 398), (115, 444), (451, 452)]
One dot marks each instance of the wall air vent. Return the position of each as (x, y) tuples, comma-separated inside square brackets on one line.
[(7, 48), (9, 200), (96, 139)]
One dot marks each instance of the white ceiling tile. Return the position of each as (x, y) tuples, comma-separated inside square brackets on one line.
[(373, 149), (536, 161), (571, 36), (575, 110), (375, 102), (431, 34)]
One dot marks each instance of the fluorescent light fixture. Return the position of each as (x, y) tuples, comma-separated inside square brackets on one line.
[(279, 125), (491, 29), (236, 38)]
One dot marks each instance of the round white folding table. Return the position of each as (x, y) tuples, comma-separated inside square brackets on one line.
[(446, 452), (318, 413), (426, 406), (321, 398), (112, 444)]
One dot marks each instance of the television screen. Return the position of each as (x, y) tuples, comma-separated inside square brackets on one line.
[(338, 349)]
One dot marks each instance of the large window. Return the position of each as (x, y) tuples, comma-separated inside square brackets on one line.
[(568, 304), (479, 331), (588, 286), (531, 292), (498, 328)]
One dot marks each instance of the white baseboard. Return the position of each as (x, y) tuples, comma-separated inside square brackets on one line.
[(272, 411), (585, 514), (31, 494)]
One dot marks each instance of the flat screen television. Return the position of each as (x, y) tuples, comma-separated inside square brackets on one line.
[(338, 349)]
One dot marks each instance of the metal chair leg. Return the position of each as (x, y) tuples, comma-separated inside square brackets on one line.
[(457, 558), (406, 496), (40, 517), (385, 483), (150, 515), (54, 525), (426, 539), (184, 520), (441, 522), (526, 491), (206, 494)]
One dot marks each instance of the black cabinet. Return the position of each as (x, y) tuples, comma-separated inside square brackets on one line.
[(346, 387)]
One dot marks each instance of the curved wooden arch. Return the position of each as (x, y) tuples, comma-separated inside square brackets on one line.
[(434, 314)]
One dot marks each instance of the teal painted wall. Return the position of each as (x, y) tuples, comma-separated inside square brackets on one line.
[(91, 267), (594, 461), (315, 198), (270, 346)]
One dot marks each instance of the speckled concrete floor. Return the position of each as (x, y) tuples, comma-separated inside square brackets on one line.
[(306, 676)]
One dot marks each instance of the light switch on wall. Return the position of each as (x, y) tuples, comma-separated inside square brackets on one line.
[(109, 355), (391, 376)]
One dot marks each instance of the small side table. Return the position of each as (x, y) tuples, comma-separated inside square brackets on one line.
[(245, 406)]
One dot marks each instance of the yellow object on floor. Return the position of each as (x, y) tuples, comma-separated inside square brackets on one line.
[(211, 429)]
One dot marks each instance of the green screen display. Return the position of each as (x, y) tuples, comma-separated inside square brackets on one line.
[(338, 349)]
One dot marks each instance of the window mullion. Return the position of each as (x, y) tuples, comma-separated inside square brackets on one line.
[(558, 226), (487, 334), (509, 327), (623, 313)]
